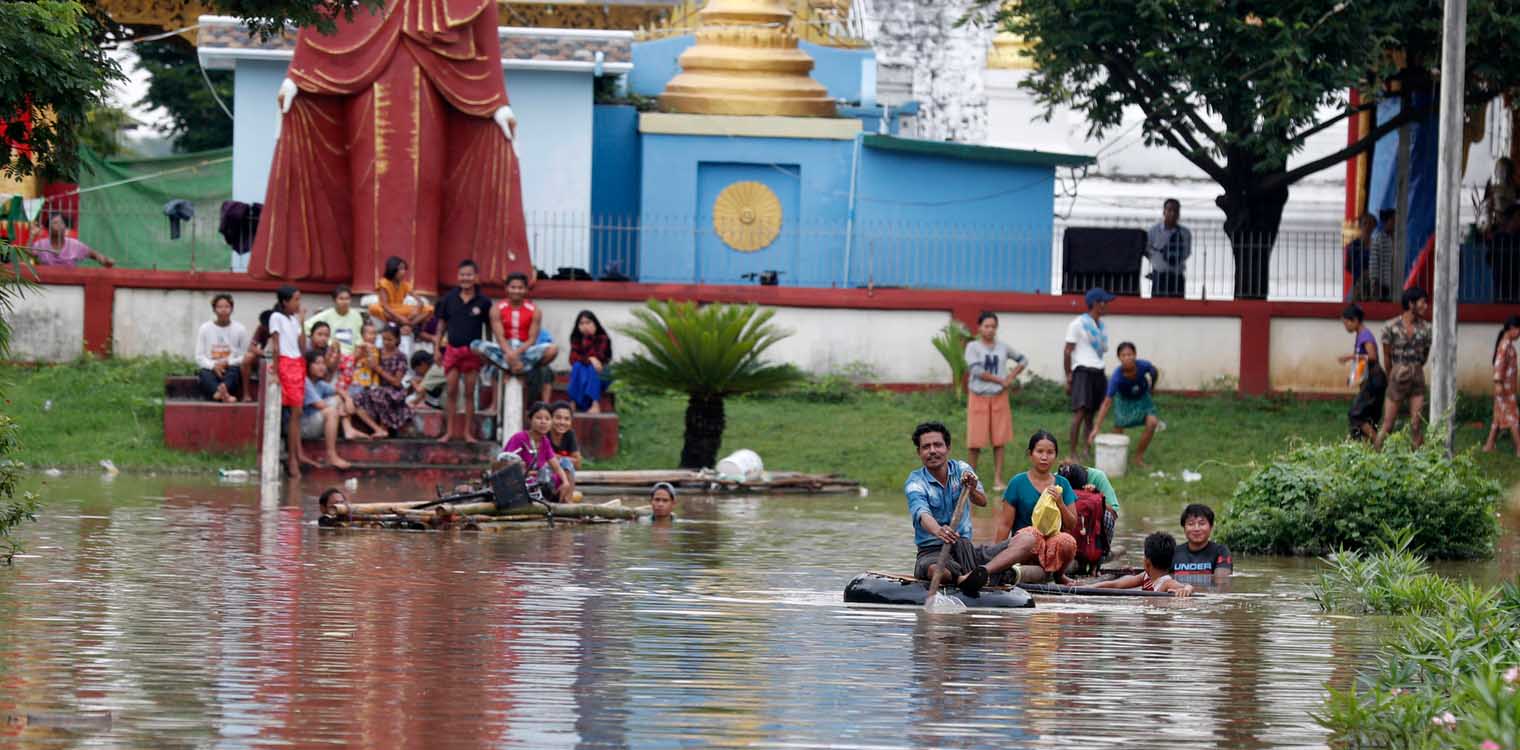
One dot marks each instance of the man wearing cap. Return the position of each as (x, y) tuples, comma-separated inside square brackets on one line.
[(933, 491), (1086, 343)]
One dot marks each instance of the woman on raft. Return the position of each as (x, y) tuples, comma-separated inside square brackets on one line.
[(537, 453), (1052, 538)]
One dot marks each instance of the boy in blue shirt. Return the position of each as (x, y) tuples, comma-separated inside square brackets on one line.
[(1129, 395), (932, 493)]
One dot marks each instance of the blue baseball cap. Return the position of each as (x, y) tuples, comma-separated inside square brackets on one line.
[(1098, 294)]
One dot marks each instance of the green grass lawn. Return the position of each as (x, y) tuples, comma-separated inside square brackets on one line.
[(112, 409)]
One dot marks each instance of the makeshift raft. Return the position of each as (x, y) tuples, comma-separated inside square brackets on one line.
[(1054, 589), (503, 500), (885, 588), (638, 482)]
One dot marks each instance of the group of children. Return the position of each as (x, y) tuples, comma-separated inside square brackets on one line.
[(993, 367), (363, 378)]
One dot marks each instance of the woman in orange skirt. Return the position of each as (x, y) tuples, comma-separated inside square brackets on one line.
[(1506, 414)]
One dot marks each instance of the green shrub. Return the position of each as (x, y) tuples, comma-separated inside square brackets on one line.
[(951, 342), (1390, 580), (1319, 498), (1447, 680)]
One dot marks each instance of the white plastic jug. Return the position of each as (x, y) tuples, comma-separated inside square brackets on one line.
[(1112, 454), (743, 464)]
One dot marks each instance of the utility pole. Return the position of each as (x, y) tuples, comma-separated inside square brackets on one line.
[(1443, 397)]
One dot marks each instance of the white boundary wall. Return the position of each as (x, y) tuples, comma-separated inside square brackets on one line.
[(893, 346)]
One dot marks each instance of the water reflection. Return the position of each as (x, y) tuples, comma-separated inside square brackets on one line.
[(195, 620)]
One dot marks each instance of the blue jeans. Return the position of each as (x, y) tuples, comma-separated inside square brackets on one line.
[(497, 356)]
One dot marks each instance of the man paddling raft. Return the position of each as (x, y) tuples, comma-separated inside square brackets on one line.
[(932, 492)]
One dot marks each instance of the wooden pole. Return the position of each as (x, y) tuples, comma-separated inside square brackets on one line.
[(510, 407), (1443, 396), (269, 448)]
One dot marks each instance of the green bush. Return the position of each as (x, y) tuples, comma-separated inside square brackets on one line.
[(1447, 680), (1319, 498), (1389, 580)]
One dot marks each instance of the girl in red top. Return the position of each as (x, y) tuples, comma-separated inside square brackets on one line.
[(590, 351)]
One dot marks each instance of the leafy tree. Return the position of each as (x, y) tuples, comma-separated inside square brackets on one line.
[(175, 84), (1237, 86), (709, 353), (14, 509), (102, 130), (54, 68)]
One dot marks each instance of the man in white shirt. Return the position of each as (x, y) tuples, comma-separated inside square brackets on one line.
[(1086, 343), (216, 344), (1169, 245)]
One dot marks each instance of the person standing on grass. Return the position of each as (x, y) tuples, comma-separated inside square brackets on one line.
[(1086, 343), (1506, 415), (464, 312), (933, 490), (1406, 346), (989, 421), (1129, 395), (216, 343), (1365, 372), (290, 368)]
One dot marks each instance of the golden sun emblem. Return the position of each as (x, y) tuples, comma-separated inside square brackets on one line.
[(747, 216)]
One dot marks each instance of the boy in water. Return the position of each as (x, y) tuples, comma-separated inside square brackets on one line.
[(1157, 576), (1201, 556)]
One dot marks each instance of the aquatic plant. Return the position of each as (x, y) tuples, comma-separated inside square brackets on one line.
[(951, 342), (1345, 496), (1387, 580), (1447, 679), (709, 353)]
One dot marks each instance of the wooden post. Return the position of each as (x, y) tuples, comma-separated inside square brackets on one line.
[(1448, 248), (269, 447), (510, 408)]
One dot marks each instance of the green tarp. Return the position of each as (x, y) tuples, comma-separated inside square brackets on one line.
[(121, 209)]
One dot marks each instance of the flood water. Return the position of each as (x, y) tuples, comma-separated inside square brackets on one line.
[(153, 612)]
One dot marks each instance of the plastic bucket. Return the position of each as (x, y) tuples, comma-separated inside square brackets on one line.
[(1112, 454), (742, 464)]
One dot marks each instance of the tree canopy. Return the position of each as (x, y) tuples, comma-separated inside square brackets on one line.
[(1237, 86), (55, 68), (197, 122)]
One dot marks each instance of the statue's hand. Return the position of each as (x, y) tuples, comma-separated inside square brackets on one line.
[(286, 95), (507, 122)]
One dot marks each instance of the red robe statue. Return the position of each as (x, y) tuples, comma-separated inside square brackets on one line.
[(391, 148)]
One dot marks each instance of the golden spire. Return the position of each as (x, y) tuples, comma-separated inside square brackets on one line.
[(746, 62)]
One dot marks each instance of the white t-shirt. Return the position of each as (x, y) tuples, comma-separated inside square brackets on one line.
[(290, 334), (220, 343), (1088, 350)]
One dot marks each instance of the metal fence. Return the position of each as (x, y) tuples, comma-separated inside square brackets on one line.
[(1292, 266)]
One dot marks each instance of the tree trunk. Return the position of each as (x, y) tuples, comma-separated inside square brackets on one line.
[(1252, 216), (704, 431)]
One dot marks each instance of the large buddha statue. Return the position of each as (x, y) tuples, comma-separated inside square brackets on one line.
[(396, 139)]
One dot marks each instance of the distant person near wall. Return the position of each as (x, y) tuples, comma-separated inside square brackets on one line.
[(57, 248), (1506, 413), (1366, 373), (1406, 347), (1169, 245)]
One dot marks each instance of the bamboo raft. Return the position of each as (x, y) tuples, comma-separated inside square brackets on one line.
[(637, 482), (471, 516)]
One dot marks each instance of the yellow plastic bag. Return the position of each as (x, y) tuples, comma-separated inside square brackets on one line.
[(1046, 517)]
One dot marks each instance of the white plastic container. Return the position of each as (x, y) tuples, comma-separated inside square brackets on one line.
[(1112, 454), (743, 464)]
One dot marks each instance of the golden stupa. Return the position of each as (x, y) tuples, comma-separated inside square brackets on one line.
[(746, 62)]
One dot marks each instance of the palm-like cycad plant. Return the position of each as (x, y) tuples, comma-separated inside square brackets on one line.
[(708, 353)]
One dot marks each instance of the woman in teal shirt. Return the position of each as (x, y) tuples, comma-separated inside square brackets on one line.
[(1025, 489)]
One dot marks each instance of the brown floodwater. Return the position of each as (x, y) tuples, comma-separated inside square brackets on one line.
[(171, 612)]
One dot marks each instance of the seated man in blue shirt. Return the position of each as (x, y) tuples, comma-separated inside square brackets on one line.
[(933, 491)]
